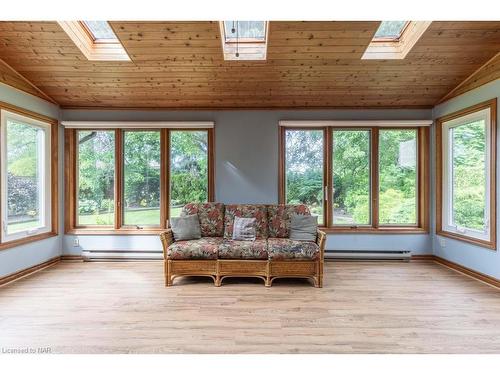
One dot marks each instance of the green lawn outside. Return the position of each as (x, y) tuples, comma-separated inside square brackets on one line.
[(16, 227), (141, 217)]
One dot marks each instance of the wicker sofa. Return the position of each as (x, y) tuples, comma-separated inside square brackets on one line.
[(272, 255)]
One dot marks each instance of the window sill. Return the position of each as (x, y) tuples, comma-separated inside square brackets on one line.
[(380, 230), (26, 240), (107, 231), (491, 245)]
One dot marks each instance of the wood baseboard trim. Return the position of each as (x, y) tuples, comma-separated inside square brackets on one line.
[(469, 272), (459, 268), (28, 271), (423, 257), (71, 258)]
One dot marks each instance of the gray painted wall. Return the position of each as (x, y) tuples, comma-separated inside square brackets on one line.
[(25, 256), (246, 167), (475, 257)]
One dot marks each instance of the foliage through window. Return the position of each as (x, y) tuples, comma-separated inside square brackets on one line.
[(141, 159), (188, 168), (398, 177), (351, 177), (127, 180), (304, 169), (96, 177), (466, 196), (375, 177), (26, 176)]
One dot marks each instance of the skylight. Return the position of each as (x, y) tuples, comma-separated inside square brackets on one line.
[(244, 40), (100, 30), (244, 31), (95, 39), (395, 39), (390, 30)]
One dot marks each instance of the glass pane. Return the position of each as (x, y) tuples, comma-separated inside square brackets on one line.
[(100, 29), (235, 30), (390, 29), (398, 177), (25, 183), (351, 177), (304, 169), (469, 175), (96, 177), (188, 169), (141, 192)]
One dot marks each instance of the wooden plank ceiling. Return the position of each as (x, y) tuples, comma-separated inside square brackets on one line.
[(309, 64)]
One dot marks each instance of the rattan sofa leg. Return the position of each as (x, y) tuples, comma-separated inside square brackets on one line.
[(217, 281), (168, 276)]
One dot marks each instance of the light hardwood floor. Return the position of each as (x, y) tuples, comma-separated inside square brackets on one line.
[(370, 307)]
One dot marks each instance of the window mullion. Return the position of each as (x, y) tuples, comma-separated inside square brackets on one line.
[(118, 178), (164, 183), (328, 173), (375, 178)]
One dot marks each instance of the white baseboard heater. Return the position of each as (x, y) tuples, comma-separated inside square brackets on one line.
[(120, 255), (404, 255)]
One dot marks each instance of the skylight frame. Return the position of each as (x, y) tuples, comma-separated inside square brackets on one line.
[(94, 49), (251, 49), (396, 49), (99, 40), (244, 40), (391, 39)]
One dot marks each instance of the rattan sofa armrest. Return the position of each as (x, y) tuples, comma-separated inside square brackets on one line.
[(167, 239), (321, 241)]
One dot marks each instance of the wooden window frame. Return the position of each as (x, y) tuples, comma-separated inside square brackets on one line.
[(492, 106), (94, 49), (54, 178), (396, 48), (282, 166), (423, 178), (98, 40), (70, 169), (249, 49)]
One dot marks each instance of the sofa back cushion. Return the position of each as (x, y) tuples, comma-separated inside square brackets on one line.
[(258, 211), (280, 217), (211, 217)]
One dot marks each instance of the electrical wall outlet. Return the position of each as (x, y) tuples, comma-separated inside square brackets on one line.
[(76, 242), (442, 242)]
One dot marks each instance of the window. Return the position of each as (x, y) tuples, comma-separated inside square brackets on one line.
[(96, 177), (304, 169), (376, 175), (394, 39), (100, 31), (390, 30), (466, 180), (130, 180), (398, 177), (244, 31), (188, 168), (141, 191), (244, 40), (28, 193), (95, 39), (351, 177)]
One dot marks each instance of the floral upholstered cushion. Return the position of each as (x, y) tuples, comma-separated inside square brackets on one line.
[(211, 217), (232, 249), (280, 216), (204, 248), (286, 249), (258, 211)]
